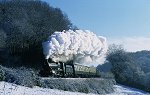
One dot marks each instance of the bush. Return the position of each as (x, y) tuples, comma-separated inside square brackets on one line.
[(98, 86), (21, 76), (107, 75), (126, 69), (2, 74), (3, 37)]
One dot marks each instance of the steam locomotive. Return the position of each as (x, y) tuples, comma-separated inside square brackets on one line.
[(68, 69)]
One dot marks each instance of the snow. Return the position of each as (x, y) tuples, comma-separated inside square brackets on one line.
[(124, 90), (13, 89), (83, 46)]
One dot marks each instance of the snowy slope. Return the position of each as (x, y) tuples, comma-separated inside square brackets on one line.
[(13, 89), (124, 90)]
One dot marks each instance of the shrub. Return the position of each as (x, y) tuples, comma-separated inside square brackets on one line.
[(126, 69), (2, 74), (3, 37), (108, 75), (21, 76), (91, 85)]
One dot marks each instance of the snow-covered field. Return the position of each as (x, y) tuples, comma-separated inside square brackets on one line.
[(13, 89)]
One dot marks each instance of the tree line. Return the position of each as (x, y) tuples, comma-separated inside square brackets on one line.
[(24, 25), (130, 69)]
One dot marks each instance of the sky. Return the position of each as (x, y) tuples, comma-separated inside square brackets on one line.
[(125, 22)]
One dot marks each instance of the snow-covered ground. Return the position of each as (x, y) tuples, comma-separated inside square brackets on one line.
[(13, 89), (124, 90)]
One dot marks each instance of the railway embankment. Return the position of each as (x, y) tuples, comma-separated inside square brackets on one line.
[(85, 85), (27, 77)]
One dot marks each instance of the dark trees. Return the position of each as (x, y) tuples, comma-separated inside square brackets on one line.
[(25, 24), (126, 69)]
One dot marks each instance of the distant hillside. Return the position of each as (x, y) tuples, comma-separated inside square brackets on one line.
[(105, 67), (142, 59)]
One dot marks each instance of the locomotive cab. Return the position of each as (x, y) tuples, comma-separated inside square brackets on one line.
[(56, 69)]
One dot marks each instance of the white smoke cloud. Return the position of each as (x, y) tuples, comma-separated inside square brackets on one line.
[(132, 44), (83, 47)]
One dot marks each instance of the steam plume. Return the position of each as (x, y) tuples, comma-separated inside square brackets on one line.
[(83, 47)]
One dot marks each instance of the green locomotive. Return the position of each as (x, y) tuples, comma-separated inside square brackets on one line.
[(68, 69)]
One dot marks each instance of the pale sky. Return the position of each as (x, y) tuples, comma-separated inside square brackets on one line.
[(118, 20)]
